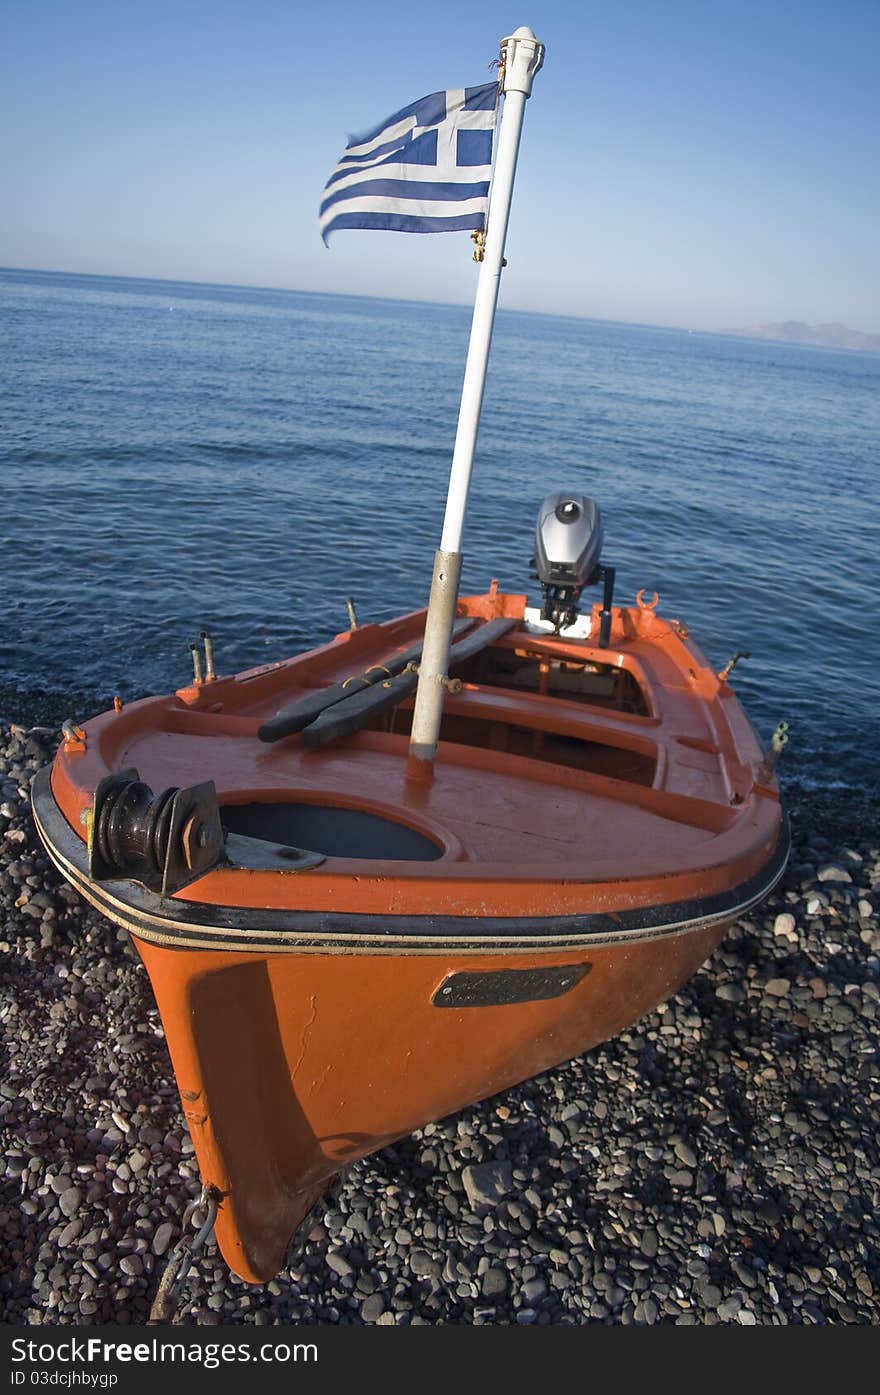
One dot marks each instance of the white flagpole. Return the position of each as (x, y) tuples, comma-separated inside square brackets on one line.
[(522, 56)]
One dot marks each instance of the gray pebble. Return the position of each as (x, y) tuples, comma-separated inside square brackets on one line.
[(486, 1184), (70, 1200), (533, 1291), (648, 1243), (710, 1295), (730, 993), (422, 1264), (685, 1154), (743, 1272), (681, 1177), (339, 1264), (162, 1238), (832, 873), (494, 1283), (647, 1310), (373, 1307), (778, 987), (70, 1233)]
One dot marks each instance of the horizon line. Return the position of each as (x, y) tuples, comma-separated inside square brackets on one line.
[(406, 300), (339, 295)]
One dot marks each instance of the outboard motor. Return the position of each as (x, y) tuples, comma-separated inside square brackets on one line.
[(568, 541)]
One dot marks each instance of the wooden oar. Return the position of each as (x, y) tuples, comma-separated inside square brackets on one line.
[(298, 714), (355, 711)]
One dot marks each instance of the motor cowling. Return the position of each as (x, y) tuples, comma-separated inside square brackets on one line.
[(568, 544)]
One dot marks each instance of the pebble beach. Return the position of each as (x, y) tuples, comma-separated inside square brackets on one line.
[(716, 1163)]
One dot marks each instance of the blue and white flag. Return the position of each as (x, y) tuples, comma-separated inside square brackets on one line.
[(426, 169)]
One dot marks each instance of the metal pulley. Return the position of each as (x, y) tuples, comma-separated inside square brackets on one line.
[(163, 841)]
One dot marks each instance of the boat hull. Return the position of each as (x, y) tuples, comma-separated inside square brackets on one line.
[(297, 1053), (284, 1087)]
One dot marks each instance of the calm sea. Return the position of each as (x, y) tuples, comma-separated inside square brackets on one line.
[(180, 456)]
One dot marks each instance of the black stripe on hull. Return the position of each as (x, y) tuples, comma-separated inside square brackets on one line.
[(192, 925)]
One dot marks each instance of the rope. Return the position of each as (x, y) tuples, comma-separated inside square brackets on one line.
[(167, 1298), (362, 677)]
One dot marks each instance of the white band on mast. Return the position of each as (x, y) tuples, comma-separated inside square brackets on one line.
[(522, 56)]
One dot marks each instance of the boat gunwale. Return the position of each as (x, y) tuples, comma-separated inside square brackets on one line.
[(181, 924)]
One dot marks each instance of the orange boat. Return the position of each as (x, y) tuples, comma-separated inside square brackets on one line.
[(344, 945)]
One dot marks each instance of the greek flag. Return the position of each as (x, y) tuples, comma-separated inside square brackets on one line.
[(426, 169)]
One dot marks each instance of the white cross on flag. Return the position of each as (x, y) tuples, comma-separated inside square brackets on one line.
[(426, 169)]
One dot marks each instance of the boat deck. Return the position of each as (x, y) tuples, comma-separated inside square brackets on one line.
[(483, 806), (560, 764)]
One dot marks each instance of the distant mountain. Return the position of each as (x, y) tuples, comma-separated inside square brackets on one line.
[(821, 336)]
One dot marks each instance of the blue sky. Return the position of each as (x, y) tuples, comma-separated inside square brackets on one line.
[(702, 163)]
